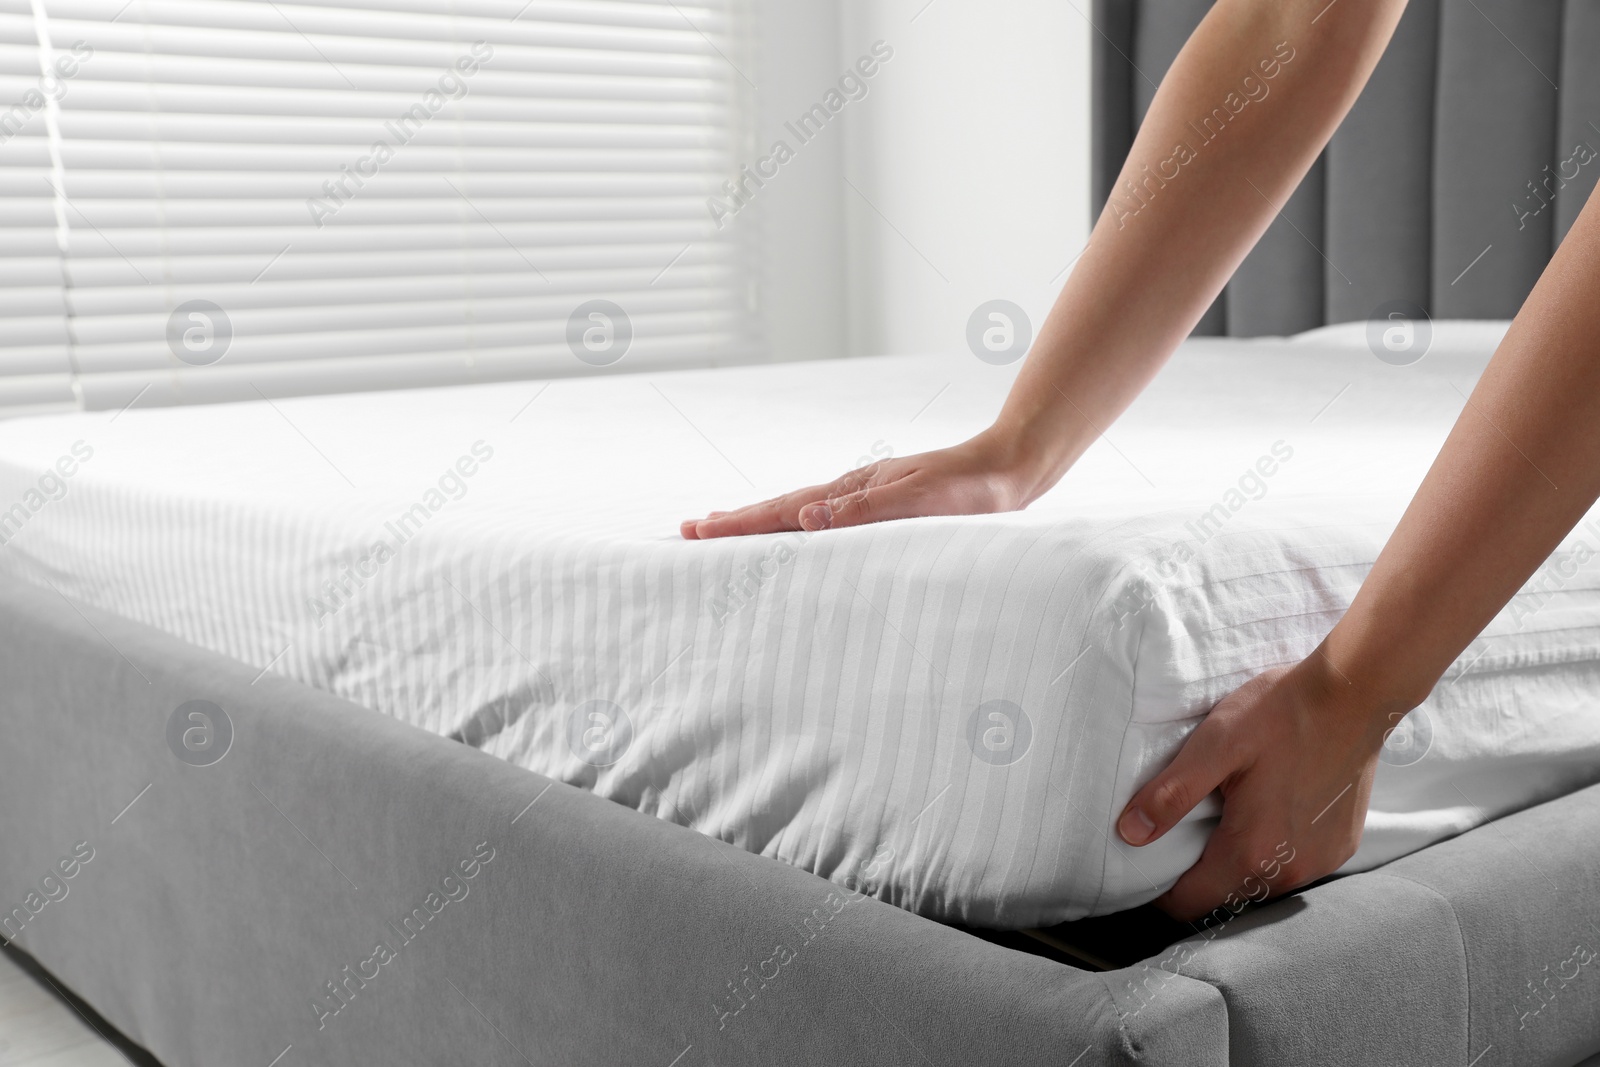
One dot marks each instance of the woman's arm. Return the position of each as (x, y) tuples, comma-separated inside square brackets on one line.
[(1248, 104), (1294, 751)]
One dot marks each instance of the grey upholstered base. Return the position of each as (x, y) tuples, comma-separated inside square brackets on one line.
[(220, 900), (594, 936), (1484, 949)]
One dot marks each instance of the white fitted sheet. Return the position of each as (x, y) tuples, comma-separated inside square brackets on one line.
[(824, 715)]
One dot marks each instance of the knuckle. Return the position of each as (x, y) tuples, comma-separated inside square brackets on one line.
[(857, 479), (1238, 839), (1302, 872), (1310, 865), (1172, 798), (1294, 875), (850, 504)]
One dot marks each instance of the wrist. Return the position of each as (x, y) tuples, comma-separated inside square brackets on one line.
[(1379, 686), (1029, 454)]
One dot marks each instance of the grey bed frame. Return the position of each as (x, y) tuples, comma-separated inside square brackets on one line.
[(212, 910), (225, 910)]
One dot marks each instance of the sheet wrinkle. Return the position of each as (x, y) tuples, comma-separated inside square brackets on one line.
[(808, 696)]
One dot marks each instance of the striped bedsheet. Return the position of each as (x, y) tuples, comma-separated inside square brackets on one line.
[(946, 712)]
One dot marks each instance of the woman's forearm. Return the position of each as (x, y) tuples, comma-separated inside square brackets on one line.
[(1238, 120), (1517, 473), (1294, 751)]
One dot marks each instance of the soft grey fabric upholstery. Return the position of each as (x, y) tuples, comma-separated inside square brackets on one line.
[(1579, 102), (1363, 970), (216, 906), (597, 935), (1484, 949), (1379, 184), (1530, 933), (1496, 132), (1433, 191), (1277, 290)]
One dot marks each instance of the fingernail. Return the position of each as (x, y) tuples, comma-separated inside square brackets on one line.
[(816, 517), (1135, 826)]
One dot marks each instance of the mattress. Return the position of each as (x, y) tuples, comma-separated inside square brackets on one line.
[(945, 712)]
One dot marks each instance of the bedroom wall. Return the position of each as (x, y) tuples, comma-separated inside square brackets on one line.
[(796, 219), (960, 174), (967, 168)]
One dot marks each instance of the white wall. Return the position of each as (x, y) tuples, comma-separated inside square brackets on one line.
[(975, 147), (961, 177), (798, 217)]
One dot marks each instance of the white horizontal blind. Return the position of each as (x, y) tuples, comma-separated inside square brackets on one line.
[(354, 194), (35, 372)]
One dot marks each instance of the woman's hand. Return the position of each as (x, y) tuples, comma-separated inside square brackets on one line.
[(1293, 752), (1151, 269), (973, 478)]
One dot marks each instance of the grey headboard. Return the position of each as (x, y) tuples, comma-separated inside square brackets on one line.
[(1443, 157)]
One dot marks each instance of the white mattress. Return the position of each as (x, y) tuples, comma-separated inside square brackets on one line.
[(834, 713)]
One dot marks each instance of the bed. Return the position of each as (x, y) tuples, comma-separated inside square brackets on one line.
[(953, 710), (313, 735), (401, 728)]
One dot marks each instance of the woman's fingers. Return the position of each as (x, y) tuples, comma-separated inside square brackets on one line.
[(764, 517), (778, 515), (1294, 754), (1236, 865), (947, 482), (818, 516), (805, 509), (851, 510), (817, 508), (1201, 766), (903, 498), (1204, 763), (1233, 870)]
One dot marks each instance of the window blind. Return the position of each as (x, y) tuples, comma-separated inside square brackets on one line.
[(228, 198), (35, 372)]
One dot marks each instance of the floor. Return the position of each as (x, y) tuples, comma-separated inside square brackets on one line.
[(40, 1029)]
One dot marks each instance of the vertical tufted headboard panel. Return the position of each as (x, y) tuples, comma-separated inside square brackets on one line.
[(1460, 168)]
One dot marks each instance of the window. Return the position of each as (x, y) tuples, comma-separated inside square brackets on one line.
[(224, 198)]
